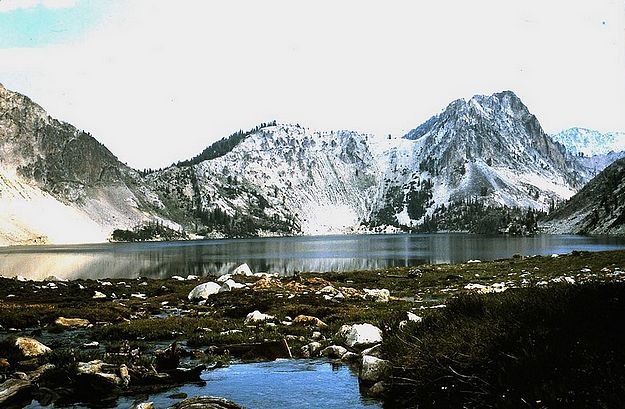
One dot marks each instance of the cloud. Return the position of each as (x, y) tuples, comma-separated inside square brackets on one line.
[(12, 5)]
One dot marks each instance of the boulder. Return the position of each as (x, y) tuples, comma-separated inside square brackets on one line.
[(203, 291), (374, 370), (334, 351), (224, 278), (375, 351), (311, 350), (377, 295), (13, 391), (31, 348), (360, 335), (351, 357), (243, 269), (205, 402), (98, 295), (257, 317), (72, 322), (309, 320), (230, 285)]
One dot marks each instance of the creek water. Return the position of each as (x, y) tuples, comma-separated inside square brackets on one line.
[(281, 384), (284, 255)]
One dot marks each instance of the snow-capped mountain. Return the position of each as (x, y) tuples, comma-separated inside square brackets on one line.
[(599, 208), (59, 184), (285, 178), (594, 150), (489, 147), (278, 178), (590, 142)]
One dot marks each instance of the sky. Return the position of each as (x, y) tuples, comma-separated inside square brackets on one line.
[(157, 81)]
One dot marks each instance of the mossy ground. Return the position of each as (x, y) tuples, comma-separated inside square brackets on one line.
[(443, 353)]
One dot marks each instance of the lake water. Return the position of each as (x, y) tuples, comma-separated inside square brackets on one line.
[(284, 255)]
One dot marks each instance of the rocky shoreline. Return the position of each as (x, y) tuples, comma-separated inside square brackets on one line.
[(91, 341)]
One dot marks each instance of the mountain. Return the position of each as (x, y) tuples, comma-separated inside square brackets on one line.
[(599, 208), (277, 179), (59, 184), (488, 148), (482, 156), (595, 150), (590, 142), (282, 178)]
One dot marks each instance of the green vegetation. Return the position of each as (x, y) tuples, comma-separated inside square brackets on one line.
[(560, 346), (223, 146), (148, 231), (473, 216)]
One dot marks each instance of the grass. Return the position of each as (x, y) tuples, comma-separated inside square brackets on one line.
[(560, 346)]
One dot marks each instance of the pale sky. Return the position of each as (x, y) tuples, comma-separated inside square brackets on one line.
[(158, 81)]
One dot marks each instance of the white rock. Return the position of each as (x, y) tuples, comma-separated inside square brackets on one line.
[(585, 270), (311, 350), (192, 277), (360, 335), (98, 295), (139, 296), (21, 278), (375, 351), (230, 285), (555, 255), (414, 317), (256, 317), (243, 269), (374, 369), (203, 291), (224, 278), (474, 286), (474, 261), (328, 289), (377, 295), (177, 278)]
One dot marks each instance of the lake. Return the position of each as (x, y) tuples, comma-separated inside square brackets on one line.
[(284, 255)]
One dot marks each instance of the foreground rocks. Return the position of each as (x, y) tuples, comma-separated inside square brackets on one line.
[(206, 402)]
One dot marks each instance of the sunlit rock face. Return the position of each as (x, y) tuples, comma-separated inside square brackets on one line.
[(59, 184)]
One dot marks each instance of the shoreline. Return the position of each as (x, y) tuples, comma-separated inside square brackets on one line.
[(134, 322)]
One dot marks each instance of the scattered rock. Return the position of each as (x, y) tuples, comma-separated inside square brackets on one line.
[(257, 317), (14, 390), (474, 261), (414, 317), (144, 405), (311, 350), (224, 278), (72, 322), (124, 375), (334, 351), (98, 295), (177, 278), (360, 335), (90, 345), (309, 320), (243, 269), (203, 291), (31, 348), (230, 285), (374, 370), (205, 402), (377, 295)]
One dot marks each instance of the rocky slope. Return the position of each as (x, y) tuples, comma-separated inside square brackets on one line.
[(59, 184), (599, 208)]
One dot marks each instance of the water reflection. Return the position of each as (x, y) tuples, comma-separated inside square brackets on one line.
[(282, 255)]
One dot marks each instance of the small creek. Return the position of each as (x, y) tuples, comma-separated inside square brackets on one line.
[(284, 383)]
